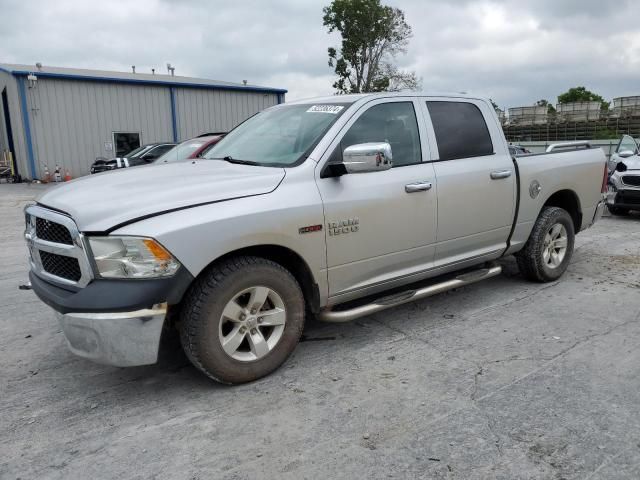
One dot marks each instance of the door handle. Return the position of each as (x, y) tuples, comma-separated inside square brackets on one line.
[(417, 187), (500, 174)]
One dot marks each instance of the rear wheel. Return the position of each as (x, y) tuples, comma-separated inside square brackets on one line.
[(548, 251), (242, 319)]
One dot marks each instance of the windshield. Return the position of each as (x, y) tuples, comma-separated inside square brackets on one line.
[(136, 151), (627, 143), (182, 151), (278, 137)]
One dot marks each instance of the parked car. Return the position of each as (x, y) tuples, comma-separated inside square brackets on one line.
[(624, 182), (140, 156), (190, 149), (318, 206), (518, 150)]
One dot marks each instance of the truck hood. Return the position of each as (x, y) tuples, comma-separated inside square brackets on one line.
[(99, 203)]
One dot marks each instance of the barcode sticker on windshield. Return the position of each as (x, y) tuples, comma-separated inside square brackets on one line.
[(334, 109)]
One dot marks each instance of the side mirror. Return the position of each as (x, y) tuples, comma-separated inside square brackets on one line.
[(626, 154), (367, 157)]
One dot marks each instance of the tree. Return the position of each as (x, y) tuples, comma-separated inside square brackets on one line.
[(581, 94), (545, 103), (372, 36)]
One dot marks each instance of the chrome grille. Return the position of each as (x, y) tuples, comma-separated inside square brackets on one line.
[(631, 180), (56, 247), (60, 266), (52, 232)]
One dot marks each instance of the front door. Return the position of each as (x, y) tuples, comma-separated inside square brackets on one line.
[(476, 181), (378, 229)]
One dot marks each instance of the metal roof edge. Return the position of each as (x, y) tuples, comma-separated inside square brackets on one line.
[(162, 83)]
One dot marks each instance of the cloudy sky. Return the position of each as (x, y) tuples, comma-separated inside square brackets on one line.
[(514, 51)]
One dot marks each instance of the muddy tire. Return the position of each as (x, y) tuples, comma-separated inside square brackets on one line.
[(548, 251), (242, 319)]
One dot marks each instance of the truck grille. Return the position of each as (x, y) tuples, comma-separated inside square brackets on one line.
[(52, 232), (631, 180), (56, 247), (61, 266)]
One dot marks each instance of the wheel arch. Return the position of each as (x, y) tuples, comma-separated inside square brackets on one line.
[(286, 257), (568, 200)]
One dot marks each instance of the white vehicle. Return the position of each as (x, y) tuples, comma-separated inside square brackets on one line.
[(335, 206), (624, 182)]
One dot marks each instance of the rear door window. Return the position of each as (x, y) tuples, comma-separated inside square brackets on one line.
[(461, 131)]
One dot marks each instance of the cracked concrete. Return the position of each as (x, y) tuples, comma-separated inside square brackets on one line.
[(503, 379)]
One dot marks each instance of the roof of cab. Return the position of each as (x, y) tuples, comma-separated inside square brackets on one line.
[(354, 97)]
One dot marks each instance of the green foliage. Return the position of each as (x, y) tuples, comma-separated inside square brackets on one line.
[(372, 35), (606, 134), (545, 103), (581, 94)]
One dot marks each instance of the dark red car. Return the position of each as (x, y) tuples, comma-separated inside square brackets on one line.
[(194, 148)]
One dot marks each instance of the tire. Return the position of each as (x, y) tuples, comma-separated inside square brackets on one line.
[(538, 261), (618, 210), (255, 345)]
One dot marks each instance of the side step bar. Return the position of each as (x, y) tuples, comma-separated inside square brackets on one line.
[(383, 303)]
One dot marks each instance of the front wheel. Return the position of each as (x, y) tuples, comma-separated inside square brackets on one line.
[(548, 251), (242, 319)]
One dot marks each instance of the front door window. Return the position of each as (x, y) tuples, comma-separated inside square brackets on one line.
[(394, 123)]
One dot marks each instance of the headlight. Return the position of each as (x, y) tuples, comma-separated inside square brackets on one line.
[(132, 257)]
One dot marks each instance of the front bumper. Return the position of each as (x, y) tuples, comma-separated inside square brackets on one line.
[(114, 322), (123, 339), (624, 198)]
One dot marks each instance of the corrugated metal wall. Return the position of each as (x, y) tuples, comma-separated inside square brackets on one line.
[(72, 120), (9, 82), (201, 110)]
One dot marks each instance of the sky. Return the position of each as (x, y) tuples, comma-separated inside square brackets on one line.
[(513, 51)]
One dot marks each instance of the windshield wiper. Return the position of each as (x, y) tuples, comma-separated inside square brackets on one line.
[(230, 159)]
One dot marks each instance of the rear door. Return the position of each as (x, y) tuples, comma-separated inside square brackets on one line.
[(476, 179)]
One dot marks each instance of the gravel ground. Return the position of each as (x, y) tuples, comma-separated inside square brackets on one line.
[(502, 379)]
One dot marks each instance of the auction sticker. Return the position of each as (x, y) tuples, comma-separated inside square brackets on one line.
[(334, 109)]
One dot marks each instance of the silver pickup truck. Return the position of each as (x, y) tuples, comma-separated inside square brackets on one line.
[(336, 207), (624, 180)]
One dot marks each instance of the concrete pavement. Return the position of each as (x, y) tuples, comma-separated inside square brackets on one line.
[(503, 379)]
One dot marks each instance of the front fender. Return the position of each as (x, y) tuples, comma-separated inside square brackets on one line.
[(198, 236)]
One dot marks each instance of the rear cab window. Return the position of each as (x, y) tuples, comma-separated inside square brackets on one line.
[(460, 129)]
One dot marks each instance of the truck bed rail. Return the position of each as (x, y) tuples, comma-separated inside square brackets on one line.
[(568, 146)]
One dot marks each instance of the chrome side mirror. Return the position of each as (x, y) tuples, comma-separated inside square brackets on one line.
[(626, 154), (367, 157)]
